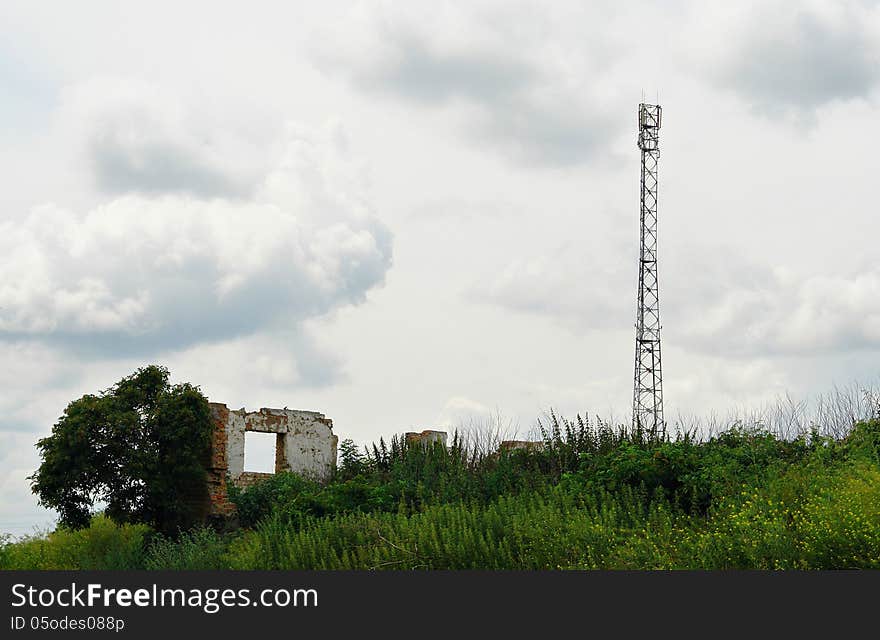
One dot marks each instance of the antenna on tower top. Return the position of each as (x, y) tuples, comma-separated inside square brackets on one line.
[(648, 376)]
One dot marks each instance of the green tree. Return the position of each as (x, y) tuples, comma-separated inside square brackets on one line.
[(140, 447), (351, 460)]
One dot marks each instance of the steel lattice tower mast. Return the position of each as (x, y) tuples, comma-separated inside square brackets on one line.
[(648, 379)]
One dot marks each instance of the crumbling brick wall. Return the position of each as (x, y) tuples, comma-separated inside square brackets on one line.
[(304, 443), (426, 437), (521, 445)]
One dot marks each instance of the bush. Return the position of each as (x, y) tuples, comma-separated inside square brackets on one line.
[(864, 439), (199, 548), (288, 492), (592, 498), (806, 517), (101, 545)]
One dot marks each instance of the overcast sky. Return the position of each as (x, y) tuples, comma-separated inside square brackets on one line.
[(408, 215)]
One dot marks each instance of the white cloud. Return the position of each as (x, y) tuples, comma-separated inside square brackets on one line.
[(156, 268), (786, 314), (537, 98), (140, 138), (732, 306), (262, 368), (460, 410), (783, 56)]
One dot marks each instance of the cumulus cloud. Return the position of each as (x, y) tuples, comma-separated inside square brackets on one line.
[(159, 268), (736, 307), (461, 410), (536, 100), (171, 271), (798, 57), (787, 314), (139, 138), (276, 362)]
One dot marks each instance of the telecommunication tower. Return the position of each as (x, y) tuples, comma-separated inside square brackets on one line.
[(648, 379)]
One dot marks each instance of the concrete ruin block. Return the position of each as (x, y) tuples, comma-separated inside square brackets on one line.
[(425, 438), (521, 445), (304, 444)]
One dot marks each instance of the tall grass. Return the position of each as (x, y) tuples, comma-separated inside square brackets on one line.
[(394, 476), (103, 545), (595, 496), (800, 521), (199, 548), (831, 414)]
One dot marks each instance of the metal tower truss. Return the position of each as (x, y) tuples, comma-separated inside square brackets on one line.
[(648, 379)]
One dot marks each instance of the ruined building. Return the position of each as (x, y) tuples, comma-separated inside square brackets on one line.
[(425, 438), (304, 443), (521, 445)]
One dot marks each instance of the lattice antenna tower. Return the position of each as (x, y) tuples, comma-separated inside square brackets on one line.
[(648, 378)]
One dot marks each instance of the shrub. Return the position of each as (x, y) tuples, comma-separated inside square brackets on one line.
[(289, 492), (864, 439), (101, 545), (592, 498), (199, 548)]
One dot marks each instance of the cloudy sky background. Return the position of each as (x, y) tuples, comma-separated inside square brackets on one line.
[(407, 215)]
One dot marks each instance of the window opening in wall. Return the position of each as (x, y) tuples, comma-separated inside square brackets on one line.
[(259, 451)]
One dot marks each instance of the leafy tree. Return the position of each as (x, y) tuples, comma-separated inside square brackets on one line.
[(141, 447), (352, 461)]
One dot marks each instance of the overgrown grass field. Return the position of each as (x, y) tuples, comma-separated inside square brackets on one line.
[(593, 498)]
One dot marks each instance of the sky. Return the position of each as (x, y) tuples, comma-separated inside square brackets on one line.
[(424, 214)]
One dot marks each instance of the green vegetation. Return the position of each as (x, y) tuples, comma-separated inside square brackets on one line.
[(140, 447), (102, 545), (594, 497)]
